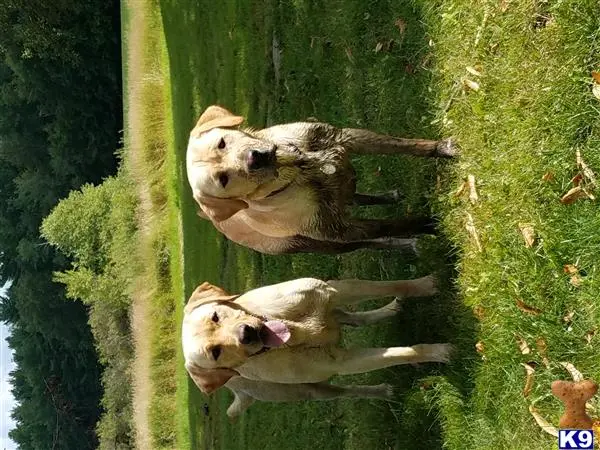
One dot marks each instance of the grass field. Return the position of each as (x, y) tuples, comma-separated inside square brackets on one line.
[(511, 81)]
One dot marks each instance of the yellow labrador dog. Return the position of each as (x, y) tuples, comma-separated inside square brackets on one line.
[(288, 334), (287, 188)]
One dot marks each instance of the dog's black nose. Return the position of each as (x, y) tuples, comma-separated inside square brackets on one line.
[(258, 159), (248, 334)]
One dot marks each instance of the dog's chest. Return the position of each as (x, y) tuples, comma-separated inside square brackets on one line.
[(285, 214)]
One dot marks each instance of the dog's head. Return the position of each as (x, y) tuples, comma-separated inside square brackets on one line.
[(226, 165), (218, 336)]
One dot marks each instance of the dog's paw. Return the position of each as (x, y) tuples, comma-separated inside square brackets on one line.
[(395, 306), (430, 284), (409, 244), (442, 352), (447, 148), (384, 391)]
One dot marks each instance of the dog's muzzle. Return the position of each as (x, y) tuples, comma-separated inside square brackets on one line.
[(248, 335), (261, 159)]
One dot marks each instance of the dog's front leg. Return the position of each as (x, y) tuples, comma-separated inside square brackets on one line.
[(353, 361), (357, 140), (361, 318), (384, 198), (355, 291), (241, 402)]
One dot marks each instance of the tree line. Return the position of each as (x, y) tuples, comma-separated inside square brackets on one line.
[(60, 119)]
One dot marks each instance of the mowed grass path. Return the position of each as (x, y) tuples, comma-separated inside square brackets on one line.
[(400, 68)]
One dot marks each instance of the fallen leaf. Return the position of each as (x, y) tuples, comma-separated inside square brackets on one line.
[(528, 380), (576, 180), (569, 317), (543, 423), (570, 269), (573, 195), (587, 172), (589, 336), (596, 90), (473, 71), (473, 197), (523, 346), (461, 189), (575, 374), (576, 280), (528, 234), (527, 308), (378, 47), (504, 5), (541, 346), (596, 76), (473, 85), (348, 52), (548, 176), (470, 226), (401, 25), (479, 347), (479, 312)]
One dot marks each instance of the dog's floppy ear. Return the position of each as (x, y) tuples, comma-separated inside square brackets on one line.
[(209, 380), (220, 209), (215, 117), (207, 293)]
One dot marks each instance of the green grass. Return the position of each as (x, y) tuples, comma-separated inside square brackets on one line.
[(534, 108)]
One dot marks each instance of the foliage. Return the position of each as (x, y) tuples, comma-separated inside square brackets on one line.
[(60, 116)]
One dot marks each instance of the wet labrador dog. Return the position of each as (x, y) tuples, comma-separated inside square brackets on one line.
[(288, 188), (281, 342)]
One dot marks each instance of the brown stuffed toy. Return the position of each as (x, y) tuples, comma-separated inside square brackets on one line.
[(575, 395)]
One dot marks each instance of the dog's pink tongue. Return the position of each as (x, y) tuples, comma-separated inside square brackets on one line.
[(277, 333)]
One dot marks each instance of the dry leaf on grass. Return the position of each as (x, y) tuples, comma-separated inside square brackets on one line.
[(401, 25), (504, 5), (473, 71), (587, 172), (570, 269), (548, 176), (542, 347), (527, 308), (479, 347), (596, 90), (470, 226), (473, 85), (575, 194), (543, 423), (576, 180), (473, 197), (378, 47), (576, 281), (461, 189), (575, 374), (479, 312), (523, 346), (528, 234), (528, 380), (589, 336), (568, 317), (348, 52), (596, 76)]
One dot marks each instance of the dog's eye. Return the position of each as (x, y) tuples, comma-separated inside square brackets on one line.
[(215, 318), (223, 179), (216, 352), (221, 144)]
